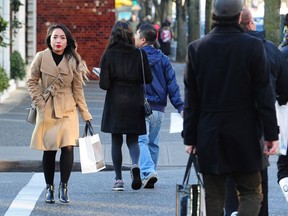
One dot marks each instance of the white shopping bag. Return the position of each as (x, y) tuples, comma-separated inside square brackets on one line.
[(91, 152), (282, 119)]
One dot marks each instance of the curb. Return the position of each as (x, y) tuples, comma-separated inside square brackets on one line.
[(36, 166)]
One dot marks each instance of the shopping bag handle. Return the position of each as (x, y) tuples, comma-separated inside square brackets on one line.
[(88, 128), (192, 160)]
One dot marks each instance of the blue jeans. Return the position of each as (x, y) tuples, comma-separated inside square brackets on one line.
[(149, 148)]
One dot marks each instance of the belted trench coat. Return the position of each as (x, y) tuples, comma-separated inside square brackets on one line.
[(57, 123)]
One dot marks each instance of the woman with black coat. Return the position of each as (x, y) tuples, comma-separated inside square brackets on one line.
[(123, 113)]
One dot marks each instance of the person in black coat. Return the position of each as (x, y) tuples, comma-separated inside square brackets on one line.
[(228, 104), (283, 47), (122, 77), (278, 68), (282, 163)]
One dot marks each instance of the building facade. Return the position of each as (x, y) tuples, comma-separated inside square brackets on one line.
[(90, 22)]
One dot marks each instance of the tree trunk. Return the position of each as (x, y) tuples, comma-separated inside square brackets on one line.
[(193, 10), (170, 8), (164, 9), (157, 17), (181, 31), (208, 13), (145, 8), (272, 20)]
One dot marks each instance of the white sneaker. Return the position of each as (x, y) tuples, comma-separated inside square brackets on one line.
[(234, 213), (284, 187), (150, 180)]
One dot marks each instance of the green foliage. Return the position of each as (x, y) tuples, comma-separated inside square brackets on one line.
[(3, 26), (15, 24), (17, 65), (4, 81), (15, 4)]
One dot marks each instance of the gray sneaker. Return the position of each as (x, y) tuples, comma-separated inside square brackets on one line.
[(118, 185), (150, 180)]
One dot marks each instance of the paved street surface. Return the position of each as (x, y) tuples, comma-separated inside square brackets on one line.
[(22, 183), (16, 132)]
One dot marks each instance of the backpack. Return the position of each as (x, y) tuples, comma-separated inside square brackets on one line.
[(165, 35)]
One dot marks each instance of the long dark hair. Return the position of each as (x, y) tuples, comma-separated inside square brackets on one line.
[(121, 32), (70, 52)]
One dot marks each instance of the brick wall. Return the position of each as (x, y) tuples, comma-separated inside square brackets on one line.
[(90, 22)]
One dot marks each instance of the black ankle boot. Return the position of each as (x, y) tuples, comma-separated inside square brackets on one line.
[(63, 193), (49, 197)]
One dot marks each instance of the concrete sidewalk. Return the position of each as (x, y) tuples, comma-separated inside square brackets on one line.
[(15, 154)]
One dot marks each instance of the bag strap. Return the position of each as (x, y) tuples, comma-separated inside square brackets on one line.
[(46, 90), (192, 159), (49, 89), (144, 82), (188, 170), (52, 83), (88, 128)]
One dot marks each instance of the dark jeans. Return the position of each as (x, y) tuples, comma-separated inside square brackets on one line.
[(248, 185), (231, 203)]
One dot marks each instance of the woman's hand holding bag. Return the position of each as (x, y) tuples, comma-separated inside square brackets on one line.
[(91, 152)]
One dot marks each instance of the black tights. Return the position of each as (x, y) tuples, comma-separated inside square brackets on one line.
[(66, 163), (116, 150)]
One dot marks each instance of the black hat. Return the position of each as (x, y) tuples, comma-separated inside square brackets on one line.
[(227, 8)]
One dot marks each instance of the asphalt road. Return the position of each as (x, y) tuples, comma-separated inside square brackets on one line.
[(22, 193)]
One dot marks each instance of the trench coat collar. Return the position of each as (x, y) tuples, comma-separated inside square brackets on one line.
[(48, 65)]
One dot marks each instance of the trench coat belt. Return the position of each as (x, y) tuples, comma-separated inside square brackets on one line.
[(58, 99)]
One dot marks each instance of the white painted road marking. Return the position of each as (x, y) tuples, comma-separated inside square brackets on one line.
[(24, 202)]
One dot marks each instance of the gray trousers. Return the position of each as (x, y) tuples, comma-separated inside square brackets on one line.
[(248, 186)]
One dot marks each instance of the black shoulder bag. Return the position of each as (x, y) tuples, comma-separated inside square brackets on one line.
[(147, 107)]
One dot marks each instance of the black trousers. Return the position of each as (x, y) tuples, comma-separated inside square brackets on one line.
[(231, 203), (248, 185)]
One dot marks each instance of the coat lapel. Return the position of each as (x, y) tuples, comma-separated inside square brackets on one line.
[(48, 65)]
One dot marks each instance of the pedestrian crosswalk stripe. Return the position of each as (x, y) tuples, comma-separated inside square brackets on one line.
[(25, 201)]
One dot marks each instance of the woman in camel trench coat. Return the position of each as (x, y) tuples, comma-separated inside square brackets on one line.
[(60, 69)]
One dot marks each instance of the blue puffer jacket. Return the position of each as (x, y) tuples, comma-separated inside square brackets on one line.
[(164, 81)]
